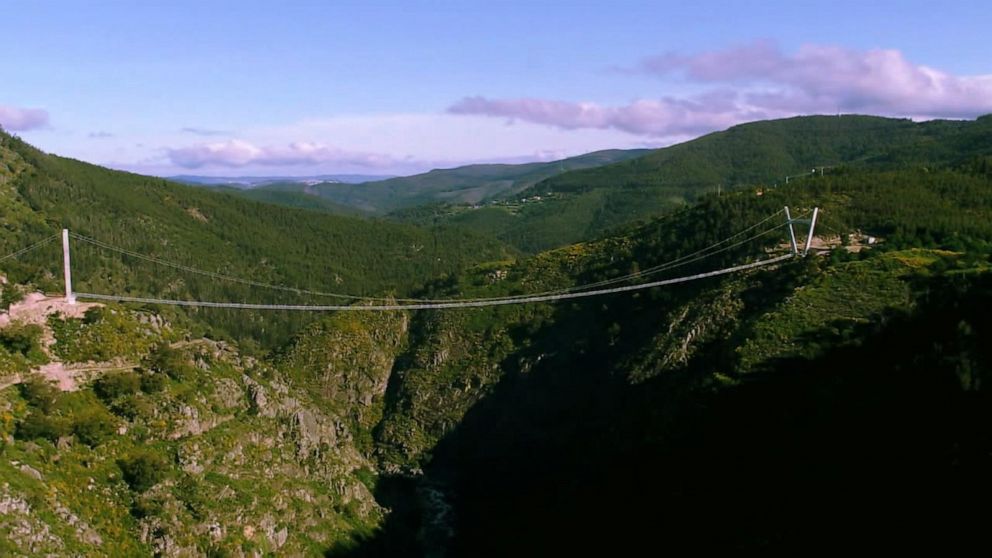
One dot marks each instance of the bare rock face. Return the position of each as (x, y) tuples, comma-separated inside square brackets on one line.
[(22, 527), (350, 359), (229, 394), (312, 433), (251, 459), (257, 398), (439, 380), (84, 532), (690, 327), (188, 457), (275, 534), (154, 322), (30, 471)]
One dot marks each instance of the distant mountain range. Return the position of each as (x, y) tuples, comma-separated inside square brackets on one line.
[(742, 411), (586, 203), (536, 206), (212, 229), (256, 181), (468, 184)]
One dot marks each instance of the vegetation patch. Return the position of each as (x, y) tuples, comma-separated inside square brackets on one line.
[(103, 334)]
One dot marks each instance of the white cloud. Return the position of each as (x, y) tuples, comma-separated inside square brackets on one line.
[(759, 81), (376, 144), (239, 153), (15, 119)]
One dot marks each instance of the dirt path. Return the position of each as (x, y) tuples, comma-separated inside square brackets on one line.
[(69, 377)]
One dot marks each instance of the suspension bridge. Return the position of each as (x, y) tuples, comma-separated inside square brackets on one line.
[(378, 304)]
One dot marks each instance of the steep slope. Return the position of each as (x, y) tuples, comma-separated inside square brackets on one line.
[(501, 431), (290, 195), (533, 423), (214, 232), (191, 449), (901, 207), (879, 442), (835, 400)]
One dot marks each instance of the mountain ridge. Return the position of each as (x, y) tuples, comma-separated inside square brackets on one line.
[(463, 184), (256, 181), (586, 203), (847, 389)]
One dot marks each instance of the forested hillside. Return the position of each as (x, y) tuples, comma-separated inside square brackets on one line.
[(838, 400), (584, 204), (289, 195), (766, 152), (744, 412), (214, 232), (469, 184)]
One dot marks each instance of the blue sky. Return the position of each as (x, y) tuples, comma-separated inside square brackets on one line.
[(396, 87)]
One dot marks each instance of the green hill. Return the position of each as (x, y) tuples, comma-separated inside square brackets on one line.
[(215, 232), (584, 204), (469, 184), (766, 152), (289, 194), (837, 400), (540, 420)]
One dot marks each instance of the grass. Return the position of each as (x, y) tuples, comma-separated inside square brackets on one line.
[(835, 302)]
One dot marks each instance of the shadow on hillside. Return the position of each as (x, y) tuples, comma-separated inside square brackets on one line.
[(398, 535), (885, 445)]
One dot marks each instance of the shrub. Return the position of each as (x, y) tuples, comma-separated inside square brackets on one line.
[(134, 406), (194, 495), (143, 469), (102, 334), (94, 425), (173, 362), (96, 315), (117, 384), (219, 551), (39, 425), (153, 382), (146, 507), (39, 393), (10, 363), (11, 294), (24, 339)]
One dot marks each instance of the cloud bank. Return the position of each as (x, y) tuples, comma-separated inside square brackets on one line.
[(414, 142), (662, 117), (204, 131), (15, 119), (239, 153), (757, 81)]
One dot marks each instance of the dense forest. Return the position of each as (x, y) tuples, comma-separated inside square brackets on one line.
[(829, 401), (584, 204), (469, 184), (746, 413), (214, 232)]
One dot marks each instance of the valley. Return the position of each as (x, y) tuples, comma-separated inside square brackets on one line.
[(756, 409)]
